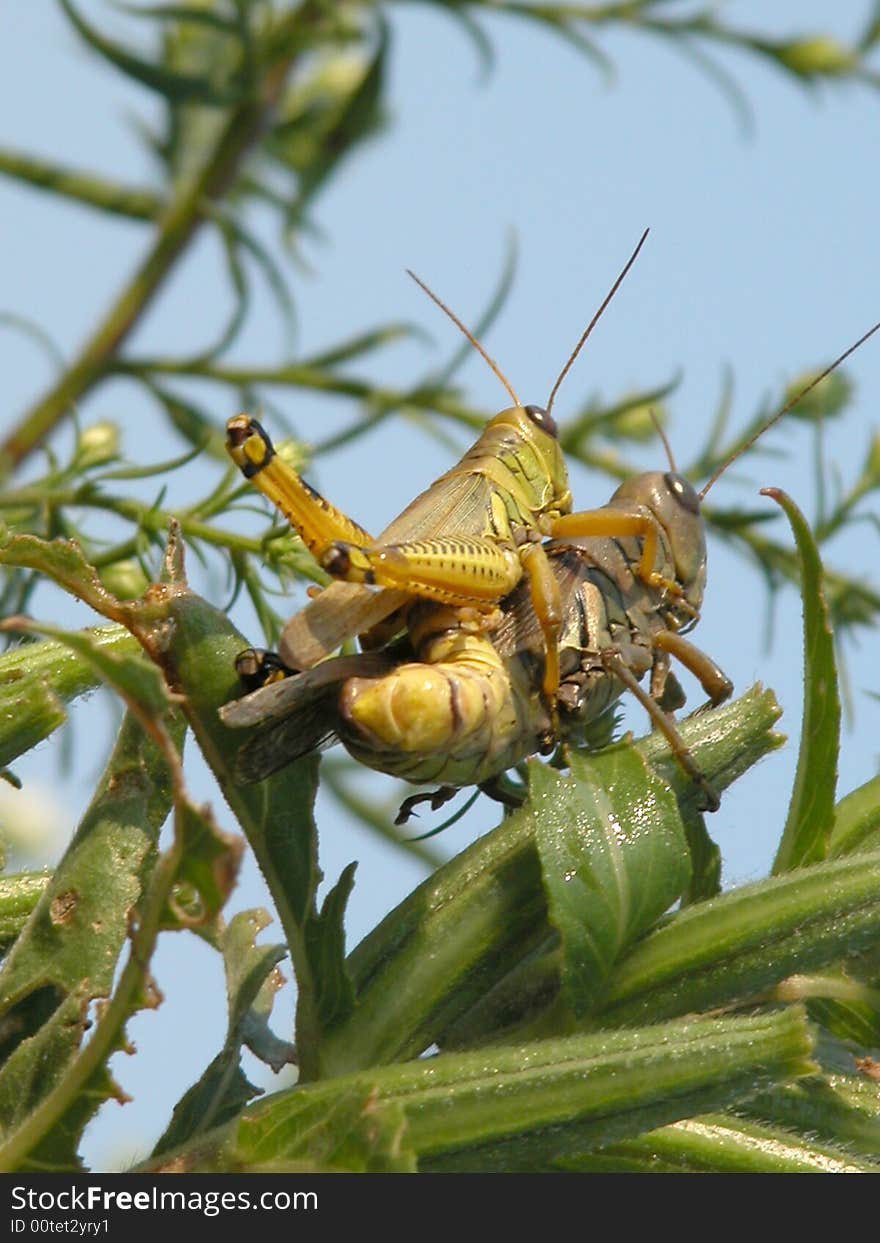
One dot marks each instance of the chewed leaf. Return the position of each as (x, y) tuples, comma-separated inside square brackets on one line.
[(138, 680), (62, 561), (223, 1089), (66, 955), (207, 870)]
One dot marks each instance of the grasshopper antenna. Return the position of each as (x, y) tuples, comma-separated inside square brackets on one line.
[(593, 322), (659, 429), (467, 333), (789, 405)]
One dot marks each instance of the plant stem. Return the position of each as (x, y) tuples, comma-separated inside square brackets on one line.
[(175, 230)]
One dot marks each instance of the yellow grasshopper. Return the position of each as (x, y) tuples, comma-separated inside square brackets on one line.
[(457, 707), (466, 541), (452, 705)]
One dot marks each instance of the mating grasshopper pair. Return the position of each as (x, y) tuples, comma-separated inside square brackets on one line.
[(521, 620)]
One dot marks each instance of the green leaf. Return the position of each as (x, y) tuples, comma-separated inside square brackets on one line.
[(137, 679), (522, 1107), (62, 561), (97, 192), (66, 955), (856, 824), (189, 420), (839, 1108), (199, 647), (19, 894), (326, 947), (352, 1132), (207, 871), (705, 859), (807, 832), (29, 712), (470, 924), (186, 14), (333, 114), (613, 857), (735, 946), (176, 87), (719, 1144), (854, 1020)]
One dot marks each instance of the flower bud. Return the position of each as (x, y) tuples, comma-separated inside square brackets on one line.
[(97, 445), (817, 56), (827, 399)]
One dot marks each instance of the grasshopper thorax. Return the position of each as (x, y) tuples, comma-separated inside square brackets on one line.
[(675, 505), (524, 441)]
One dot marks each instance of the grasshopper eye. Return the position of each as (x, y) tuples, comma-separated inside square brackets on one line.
[(683, 492), (542, 419)]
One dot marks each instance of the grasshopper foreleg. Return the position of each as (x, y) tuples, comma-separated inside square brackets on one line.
[(713, 679), (437, 799), (612, 661), (618, 524)]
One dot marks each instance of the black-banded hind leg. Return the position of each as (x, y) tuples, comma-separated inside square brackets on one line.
[(257, 667)]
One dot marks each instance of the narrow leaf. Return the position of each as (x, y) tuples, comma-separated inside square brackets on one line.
[(807, 831), (176, 87), (856, 824), (19, 894), (705, 859), (519, 1108), (326, 946), (91, 191), (223, 1089), (839, 1108), (735, 946), (719, 1144)]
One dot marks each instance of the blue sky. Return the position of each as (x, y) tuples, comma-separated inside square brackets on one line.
[(763, 256)]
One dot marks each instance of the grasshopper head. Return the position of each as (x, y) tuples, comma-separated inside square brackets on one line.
[(526, 440), (675, 504)]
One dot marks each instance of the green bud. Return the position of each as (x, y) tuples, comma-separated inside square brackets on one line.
[(639, 422), (293, 453), (97, 445), (820, 55), (124, 579), (827, 399)]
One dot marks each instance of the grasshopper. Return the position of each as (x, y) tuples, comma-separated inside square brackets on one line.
[(466, 541), (468, 706), (448, 704)]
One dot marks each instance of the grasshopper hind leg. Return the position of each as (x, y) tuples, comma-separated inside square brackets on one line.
[(257, 667)]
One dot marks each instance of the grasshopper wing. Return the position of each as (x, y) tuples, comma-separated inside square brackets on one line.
[(458, 503), (296, 715), (339, 613), (520, 630)]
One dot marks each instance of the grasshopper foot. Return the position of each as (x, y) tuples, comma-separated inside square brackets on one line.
[(436, 798)]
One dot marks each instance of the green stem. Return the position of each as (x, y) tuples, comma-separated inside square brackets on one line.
[(150, 518)]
